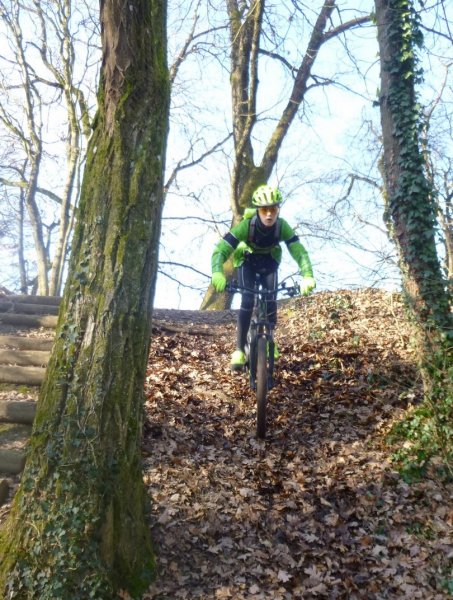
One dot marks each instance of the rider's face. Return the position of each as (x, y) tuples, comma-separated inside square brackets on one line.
[(268, 214)]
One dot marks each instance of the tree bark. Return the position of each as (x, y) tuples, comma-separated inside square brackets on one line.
[(410, 207), (78, 524)]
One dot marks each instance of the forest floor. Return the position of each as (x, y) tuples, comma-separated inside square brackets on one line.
[(317, 510)]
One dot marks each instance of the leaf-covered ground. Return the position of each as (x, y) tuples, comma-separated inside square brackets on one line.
[(315, 511)]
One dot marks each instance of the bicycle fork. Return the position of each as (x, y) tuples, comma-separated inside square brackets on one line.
[(255, 335)]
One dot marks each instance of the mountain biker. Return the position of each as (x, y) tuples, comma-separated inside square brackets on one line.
[(255, 242)]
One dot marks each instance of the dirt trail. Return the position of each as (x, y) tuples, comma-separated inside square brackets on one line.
[(315, 511)]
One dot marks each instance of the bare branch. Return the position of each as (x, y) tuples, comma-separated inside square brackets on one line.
[(437, 32), (193, 218), (24, 184), (180, 283), (176, 264), (357, 22), (280, 58), (180, 166), (299, 88)]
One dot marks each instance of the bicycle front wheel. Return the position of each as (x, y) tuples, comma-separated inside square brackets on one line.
[(261, 386)]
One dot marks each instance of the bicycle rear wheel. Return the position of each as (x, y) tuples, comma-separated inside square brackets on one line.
[(261, 386)]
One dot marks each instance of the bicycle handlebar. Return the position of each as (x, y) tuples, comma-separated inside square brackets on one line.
[(291, 291)]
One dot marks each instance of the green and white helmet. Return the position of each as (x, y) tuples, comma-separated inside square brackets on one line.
[(265, 195)]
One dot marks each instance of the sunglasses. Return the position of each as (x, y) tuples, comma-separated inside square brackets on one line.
[(269, 209)]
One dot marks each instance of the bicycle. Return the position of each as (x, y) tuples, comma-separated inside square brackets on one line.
[(260, 347)]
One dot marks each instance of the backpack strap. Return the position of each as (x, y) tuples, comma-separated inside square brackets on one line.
[(252, 228), (278, 231)]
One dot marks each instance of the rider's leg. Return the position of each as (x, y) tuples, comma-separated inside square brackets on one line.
[(246, 278)]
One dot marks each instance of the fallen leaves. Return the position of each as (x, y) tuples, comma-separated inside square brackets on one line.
[(316, 510)]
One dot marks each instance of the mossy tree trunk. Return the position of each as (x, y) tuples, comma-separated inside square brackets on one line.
[(410, 203), (78, 524)]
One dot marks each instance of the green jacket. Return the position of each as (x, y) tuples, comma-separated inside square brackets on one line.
[(237, 241)]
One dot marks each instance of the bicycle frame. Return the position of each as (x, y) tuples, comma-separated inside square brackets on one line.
[(260, 327)]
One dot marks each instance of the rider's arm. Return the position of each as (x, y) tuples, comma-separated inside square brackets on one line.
[(296, 249), (228, 245)]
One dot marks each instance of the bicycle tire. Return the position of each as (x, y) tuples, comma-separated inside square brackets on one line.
[(261, 386)]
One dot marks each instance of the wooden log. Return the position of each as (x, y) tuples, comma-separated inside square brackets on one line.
[(23, 375), (4, 490), (12, 461), (17, 412), (26, 343), (6, 306), (52, 300), (29, 309), (25, 358), (21, 320)]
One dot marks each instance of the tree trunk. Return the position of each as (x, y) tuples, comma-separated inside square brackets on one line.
[(58, 260), (245, 31), (78, 528), (446, 223), (410, 207), (36, 225), (215, 301), (20, 249), (33, 147), (63, 72)]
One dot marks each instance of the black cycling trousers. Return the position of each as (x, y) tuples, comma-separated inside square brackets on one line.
[(266, 273)]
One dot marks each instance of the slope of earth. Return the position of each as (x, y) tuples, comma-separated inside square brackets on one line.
[(316, 510)]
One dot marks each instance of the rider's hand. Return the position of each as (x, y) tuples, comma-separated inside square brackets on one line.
[(307, 284), (218, 281)]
